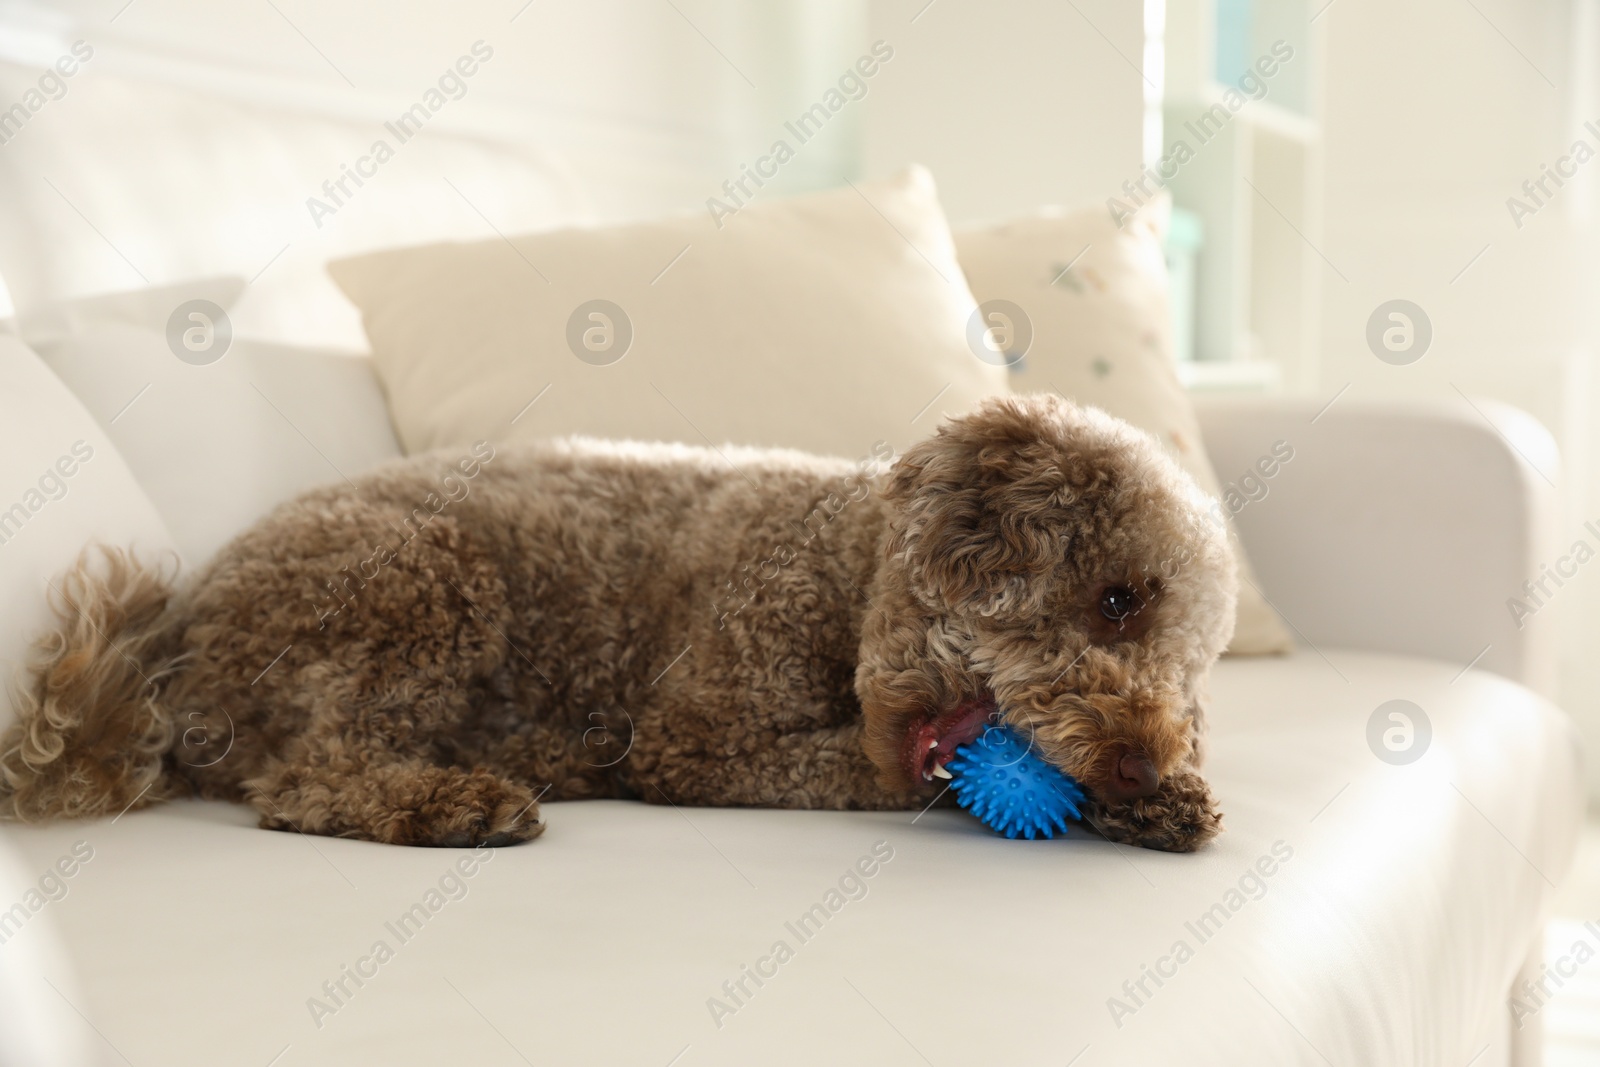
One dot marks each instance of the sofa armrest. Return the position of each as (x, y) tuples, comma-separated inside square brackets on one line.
[(1403, 528)]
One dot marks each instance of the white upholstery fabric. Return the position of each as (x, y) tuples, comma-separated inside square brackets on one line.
[(38, 984), (1406, 527), (1388, 937), (186, 179)]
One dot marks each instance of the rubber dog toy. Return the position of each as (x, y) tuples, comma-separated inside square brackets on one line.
[(999, 779)]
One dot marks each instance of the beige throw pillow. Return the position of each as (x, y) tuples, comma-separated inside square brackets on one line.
[(1094, 326), (824, 322)]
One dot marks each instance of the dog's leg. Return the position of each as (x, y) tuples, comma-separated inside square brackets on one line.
[(341, 786), (819, 768), (373, 763), (388, 688)]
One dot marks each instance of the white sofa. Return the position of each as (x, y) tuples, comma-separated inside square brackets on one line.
[(1356, 911)]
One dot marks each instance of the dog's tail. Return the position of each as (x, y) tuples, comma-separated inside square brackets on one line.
[(90, 735)]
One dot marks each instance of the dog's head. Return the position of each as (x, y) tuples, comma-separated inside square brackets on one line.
[(1048, 565)]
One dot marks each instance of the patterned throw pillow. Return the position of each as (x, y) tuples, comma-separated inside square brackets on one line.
[(1084, 307)]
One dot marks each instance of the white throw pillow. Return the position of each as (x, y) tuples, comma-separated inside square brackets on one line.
[(824, 323), (1096, 328), (218, 445), (56, 320), (63, 484)]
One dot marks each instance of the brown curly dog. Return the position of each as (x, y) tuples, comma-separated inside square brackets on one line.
[(417, 657)]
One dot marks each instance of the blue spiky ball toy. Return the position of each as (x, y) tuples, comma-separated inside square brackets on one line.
[(1000, 780)]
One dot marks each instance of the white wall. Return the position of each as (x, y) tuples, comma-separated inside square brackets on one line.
[(1435, 113), (1011, 105)]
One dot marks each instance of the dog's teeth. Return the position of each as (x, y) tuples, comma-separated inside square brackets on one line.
[(933, 745), (941, 772)]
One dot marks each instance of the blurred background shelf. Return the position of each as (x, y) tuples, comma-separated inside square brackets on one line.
[(1232, 129)]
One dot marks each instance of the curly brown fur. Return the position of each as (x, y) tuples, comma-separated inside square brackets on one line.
[(419, 658), (89, 736)]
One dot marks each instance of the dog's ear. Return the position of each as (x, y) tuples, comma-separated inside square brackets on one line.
[(981, 516)]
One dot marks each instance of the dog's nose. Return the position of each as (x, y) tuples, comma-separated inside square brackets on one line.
[(1135, 777)]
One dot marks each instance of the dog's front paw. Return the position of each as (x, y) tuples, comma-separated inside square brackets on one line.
[(1180, 817), (480, 809)]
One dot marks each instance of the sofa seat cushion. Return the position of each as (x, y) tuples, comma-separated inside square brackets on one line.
[(1357, 910)]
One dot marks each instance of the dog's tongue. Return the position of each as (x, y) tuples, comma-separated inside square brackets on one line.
[(937, 739)]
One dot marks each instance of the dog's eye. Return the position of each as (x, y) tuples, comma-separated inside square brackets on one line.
[(1118, 602)]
